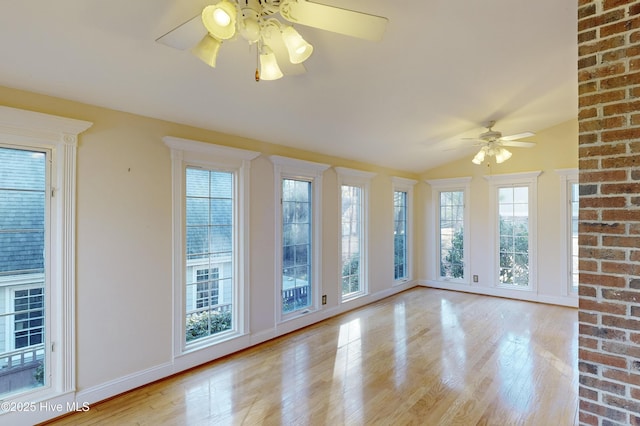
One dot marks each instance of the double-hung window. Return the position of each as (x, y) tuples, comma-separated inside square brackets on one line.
[(451, 227), (354, 194), (514, 203), (298, 186), (402, 228), (37, 257), (210, 198)]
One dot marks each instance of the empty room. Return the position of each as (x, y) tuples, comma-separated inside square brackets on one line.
[(290, 212)]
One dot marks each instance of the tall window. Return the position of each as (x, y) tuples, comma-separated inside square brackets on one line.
[(450, 225), (210, 198), (399, 235), (514, 198), (575, 257), (354, 189), (37, 257), (351, 225), (298, 235), (452, 234), (23, 221), (402, 219), (569, 224), (210, 249), (514, 235)]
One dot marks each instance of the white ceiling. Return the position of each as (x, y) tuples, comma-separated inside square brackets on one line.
[(443, 69)]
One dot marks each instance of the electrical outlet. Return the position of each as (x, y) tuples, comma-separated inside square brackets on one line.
[(324, 299), (475, 278)]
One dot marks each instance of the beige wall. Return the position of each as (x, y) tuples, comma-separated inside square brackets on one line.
[(124, 289), (556, 148)]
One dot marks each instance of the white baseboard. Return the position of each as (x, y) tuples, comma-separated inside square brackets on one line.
[(123, 384), (568, 301)]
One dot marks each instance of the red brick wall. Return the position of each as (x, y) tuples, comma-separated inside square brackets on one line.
[(609, 117)]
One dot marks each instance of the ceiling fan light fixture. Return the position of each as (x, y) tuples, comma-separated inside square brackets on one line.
[(479, 158), (502, 155), (207, 50), (220, 19), (269, 69), (298, 48)]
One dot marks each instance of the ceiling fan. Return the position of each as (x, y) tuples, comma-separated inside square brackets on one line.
[(281, 49), (493, 144)]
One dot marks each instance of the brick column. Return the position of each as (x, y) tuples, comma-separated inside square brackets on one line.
[(609, 123)]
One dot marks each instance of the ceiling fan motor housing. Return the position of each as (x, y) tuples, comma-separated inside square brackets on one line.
[(491, 135)]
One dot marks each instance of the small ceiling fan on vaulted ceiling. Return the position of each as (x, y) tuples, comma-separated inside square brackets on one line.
[(281, 49), (493, 144)]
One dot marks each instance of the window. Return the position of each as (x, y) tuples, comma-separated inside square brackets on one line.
[(297, 278), (354, 189), (450, 201), (402, 242), (207, 287), (400, 235), (569, 220), (513, 234), (514, 200), (37, 154), (575, 257), (210, 233), (210, 198), (298, 193), (23, 223), (28, 308)]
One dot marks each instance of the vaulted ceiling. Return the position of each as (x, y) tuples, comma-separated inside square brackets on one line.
[(443, 70)]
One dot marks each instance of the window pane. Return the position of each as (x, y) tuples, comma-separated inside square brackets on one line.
[(351, 239), (22, 270), (209, 246), (514, 235), (296, 245), (400, 231), (452, 234)]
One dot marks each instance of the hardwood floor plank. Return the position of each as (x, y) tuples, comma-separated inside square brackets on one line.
[(423, 357)]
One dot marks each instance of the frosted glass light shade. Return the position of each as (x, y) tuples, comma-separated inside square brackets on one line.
[(299, 50), (502, 155), (479, 158), (220, 19), (207, 50), (269, 69)]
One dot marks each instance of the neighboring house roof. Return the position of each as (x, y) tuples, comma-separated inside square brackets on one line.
[(22, 206)]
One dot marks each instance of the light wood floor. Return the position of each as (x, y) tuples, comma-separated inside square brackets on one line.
[(423, 357)]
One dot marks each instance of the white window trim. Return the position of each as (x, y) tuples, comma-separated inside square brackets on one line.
[(291, 168), (361, 179), (529, 179), (59, 137), (405, 185), (186, 152), (445, 185), (567, 178)]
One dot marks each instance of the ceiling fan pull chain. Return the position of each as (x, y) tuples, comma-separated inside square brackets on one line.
[(257, 62)]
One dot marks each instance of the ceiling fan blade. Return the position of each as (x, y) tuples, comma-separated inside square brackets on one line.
[(520, 144), (517, 136), (334, 19), (185, 35)]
